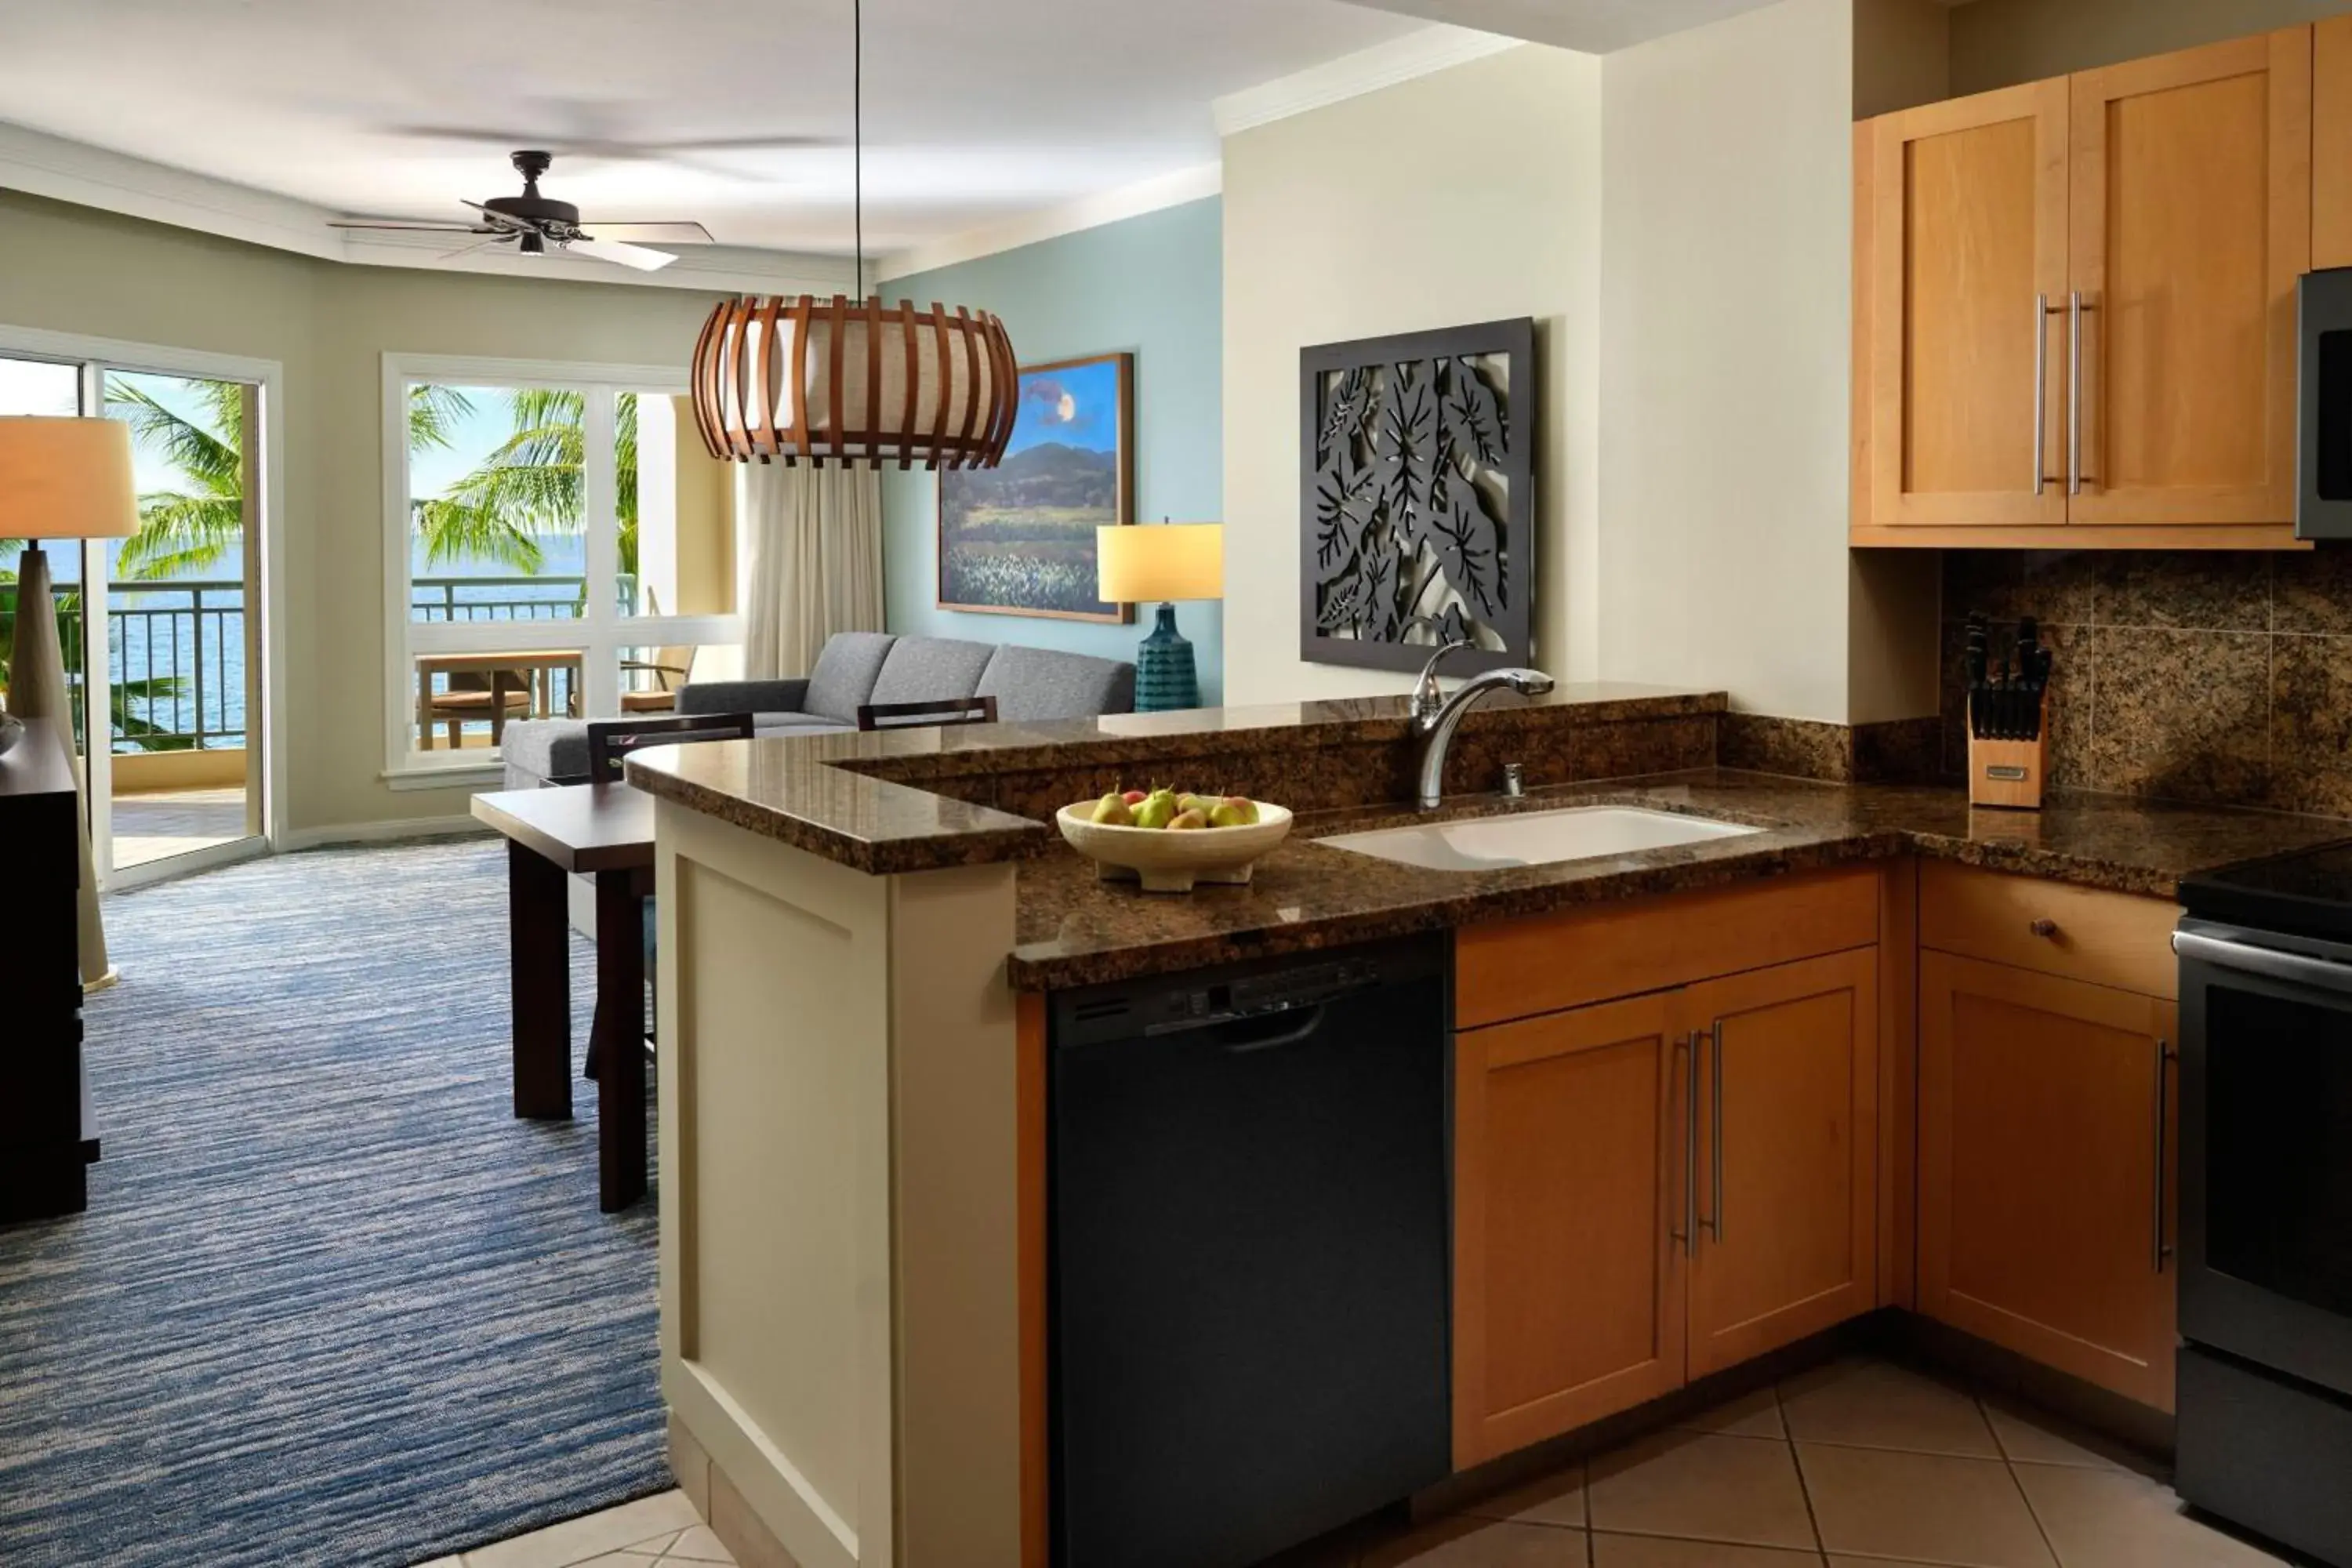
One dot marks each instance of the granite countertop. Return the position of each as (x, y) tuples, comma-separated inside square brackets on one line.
[(859, 798), (1074, 929)]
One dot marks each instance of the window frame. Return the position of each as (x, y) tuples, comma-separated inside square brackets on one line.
[(600, 634)]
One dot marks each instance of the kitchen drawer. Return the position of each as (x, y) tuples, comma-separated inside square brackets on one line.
[(2080, 933), (1517, 969)]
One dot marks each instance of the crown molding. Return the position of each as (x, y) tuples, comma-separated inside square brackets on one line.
[(1173, 190), (51, 166), (704, 268), (1434, 48)]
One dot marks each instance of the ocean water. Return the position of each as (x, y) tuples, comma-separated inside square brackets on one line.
[(191, 628)]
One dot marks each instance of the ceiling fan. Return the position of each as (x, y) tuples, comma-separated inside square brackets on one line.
[(531, 223)]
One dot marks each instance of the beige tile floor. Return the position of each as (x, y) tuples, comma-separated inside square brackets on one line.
[(1859, 1464), (1856, 1464), (656, 1529)]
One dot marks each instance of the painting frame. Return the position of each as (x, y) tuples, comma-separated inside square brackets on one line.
[(1122, 365)]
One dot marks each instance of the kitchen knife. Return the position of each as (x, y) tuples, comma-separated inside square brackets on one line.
[(1976, 695)]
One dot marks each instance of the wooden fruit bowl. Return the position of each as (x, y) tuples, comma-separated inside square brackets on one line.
[(1168, 859)]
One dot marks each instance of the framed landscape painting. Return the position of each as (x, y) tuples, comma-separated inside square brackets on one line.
[(1019, 538)]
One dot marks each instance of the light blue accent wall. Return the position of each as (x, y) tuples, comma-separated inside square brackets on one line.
[(1151, 285)]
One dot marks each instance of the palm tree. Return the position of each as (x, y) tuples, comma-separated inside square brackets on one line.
[(531, 484)]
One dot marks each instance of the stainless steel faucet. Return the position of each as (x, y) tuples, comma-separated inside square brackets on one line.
[(1435, 715)]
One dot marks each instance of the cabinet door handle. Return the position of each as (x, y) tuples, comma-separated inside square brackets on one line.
[(2158, 1251), (2075, 310), (1687, 1235), (2044, 927), (2041, 392), (1713, 1223)]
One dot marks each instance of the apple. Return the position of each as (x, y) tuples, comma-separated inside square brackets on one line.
[(1136, 797)]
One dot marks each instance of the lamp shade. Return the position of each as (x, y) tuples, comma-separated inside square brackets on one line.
[(66, 478), (1160, 561)]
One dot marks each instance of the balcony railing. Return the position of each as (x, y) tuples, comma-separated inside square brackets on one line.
[(176, 657)]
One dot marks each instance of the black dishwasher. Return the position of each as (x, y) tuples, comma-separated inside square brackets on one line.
[(1249, 1239)]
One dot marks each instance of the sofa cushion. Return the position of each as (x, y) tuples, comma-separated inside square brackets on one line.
[(1033, 683), (539, 750), (931, 669), (844, 674)]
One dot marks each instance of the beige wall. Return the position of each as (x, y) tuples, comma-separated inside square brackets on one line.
[(1725, 317), (1998, 43), (73, 270), (1472, 195)]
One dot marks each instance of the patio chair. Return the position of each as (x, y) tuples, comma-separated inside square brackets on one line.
[(671, 668), (473, 696)]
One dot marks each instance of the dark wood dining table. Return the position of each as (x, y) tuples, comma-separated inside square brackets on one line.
[(603, 831)]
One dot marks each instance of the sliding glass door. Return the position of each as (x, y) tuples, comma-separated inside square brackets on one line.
[(161, 631)]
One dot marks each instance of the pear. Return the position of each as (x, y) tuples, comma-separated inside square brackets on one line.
[(1111, 812), (1200, 803), (1157, 811), (1243, 811), (1187, 819)]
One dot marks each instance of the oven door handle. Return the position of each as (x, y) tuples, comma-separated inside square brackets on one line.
[(2269, 963)]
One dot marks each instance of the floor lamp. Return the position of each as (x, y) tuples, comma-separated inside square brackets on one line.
[(61, 479)]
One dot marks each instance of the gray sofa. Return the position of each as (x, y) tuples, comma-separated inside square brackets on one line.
[(1028, 683)]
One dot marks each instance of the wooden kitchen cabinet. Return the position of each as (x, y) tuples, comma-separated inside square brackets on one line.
[(1568, 1158), (2190, 196), (1586, 1139), (2047, 1165), (2162, 211), (2331, 142), (1971, 196), (1787, 1154)]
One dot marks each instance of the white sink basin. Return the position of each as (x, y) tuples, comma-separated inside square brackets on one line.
[(1535, 837)]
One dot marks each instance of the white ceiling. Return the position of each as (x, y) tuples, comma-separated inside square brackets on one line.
[(976, 110), (1596, 27)]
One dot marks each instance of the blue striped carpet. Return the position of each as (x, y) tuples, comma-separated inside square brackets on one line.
[(332, 1303)]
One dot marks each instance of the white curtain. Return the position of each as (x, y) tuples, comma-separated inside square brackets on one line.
[(814, 549)]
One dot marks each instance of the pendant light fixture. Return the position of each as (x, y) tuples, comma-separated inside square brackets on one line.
[(854, 382)]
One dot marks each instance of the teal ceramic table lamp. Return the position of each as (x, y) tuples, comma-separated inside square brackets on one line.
[(1167, 561)]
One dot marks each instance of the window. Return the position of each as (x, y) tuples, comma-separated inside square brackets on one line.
[(557, 545)]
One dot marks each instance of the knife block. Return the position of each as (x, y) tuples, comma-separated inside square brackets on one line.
[(2010, 772)]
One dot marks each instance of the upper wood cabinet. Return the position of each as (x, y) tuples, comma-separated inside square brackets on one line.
[(1960, 331), (2116, 251), (1785, 1243), (2331, 142)]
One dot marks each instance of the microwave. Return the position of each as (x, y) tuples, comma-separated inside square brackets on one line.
[(2322, 508)]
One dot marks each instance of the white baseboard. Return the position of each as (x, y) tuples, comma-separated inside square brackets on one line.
[(380, 832)]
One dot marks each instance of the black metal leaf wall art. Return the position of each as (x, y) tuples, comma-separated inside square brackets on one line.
[(1418, 504)]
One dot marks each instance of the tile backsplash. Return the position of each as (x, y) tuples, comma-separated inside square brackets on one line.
[(2207, 676)]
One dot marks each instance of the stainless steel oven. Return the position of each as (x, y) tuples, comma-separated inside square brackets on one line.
[(2265, 1368), (2324, 444)]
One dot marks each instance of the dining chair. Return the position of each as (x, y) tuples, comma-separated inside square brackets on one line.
[(610, 741), (911, 715)]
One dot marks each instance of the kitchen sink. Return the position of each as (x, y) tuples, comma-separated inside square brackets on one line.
[(1535, 837)]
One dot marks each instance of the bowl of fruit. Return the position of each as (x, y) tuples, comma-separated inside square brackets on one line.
[(1168, 840)]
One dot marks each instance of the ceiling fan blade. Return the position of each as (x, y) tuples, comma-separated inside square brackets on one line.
[(416, 227), (635, 256), (681, 231)]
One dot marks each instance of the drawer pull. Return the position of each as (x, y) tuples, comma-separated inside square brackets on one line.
[(2044, 927)]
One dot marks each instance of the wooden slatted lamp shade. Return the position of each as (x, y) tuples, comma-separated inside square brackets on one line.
[(854, 382)]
